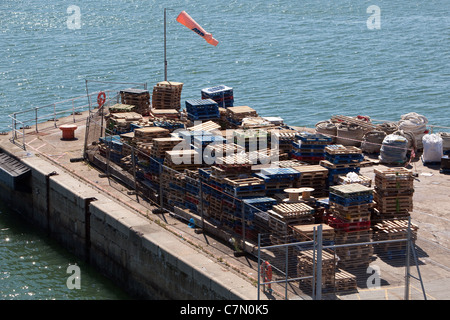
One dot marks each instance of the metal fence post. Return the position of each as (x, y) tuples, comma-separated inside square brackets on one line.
[(14, 126), (319, 264), (259, 265), (36, 118), (160, 185), (54, 114), (201, 205), (407, 268), (133, 163), (243, 224)]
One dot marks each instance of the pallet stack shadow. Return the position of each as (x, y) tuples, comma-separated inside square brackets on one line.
[(310, 147), (167, 95), (340, 160), (393, 196), (138, 98), (349, 214)]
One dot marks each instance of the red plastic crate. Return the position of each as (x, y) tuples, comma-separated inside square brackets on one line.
[(341, 225)]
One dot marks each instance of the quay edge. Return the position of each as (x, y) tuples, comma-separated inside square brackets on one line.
[(146, 260)]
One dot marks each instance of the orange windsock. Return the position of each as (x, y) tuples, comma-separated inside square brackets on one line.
[(187, 21)]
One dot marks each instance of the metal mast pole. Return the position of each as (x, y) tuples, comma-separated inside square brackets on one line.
[(165, 50)]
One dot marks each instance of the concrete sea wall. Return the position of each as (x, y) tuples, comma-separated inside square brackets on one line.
[(140, 256)]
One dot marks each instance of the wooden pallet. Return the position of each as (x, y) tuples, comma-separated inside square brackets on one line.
[(365, 181), (363, 215), (306, 232), (344, 281), (342, 150), (350, 190), (393, 203), (329, 165), (350, 120), (241, 112), (393, 173), (151, 132), (352, 237), (292, 209)]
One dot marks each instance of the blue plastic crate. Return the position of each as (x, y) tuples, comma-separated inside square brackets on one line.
[(217, 92), (313, 137), (112, 142), (281, 173), (300, 145), (351, 201), (344, 158), (198, 106), (210, 116)]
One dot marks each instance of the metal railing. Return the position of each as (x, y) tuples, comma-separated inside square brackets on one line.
[(36, 116), (290, 276)]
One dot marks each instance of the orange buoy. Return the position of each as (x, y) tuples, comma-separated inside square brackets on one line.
[(101, 98), (68, 131)]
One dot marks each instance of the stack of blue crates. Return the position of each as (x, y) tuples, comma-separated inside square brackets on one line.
[(342, 162), (221, 94), (202, 109), (278, 179), (310, 147)]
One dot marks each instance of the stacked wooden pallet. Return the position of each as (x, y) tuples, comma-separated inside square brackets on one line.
[(392, 230), (307, 265), (341, 160), (251, 139), (180, 160), (353, 177), (147, 134), (118, 108), (137, 97), (313, 176), (305, 232), (213, 152), (344, 281), (284, 138), (394, 188), (167, 95), (121, 122), (161, 145), (350, 206), (172, 114), (235, 115)]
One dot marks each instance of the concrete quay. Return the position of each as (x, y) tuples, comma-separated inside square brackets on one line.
[(157, 256), (150, 256)]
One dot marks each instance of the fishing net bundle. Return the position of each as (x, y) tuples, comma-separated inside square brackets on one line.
[(393, 149), (327, 128), (415, 123)]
